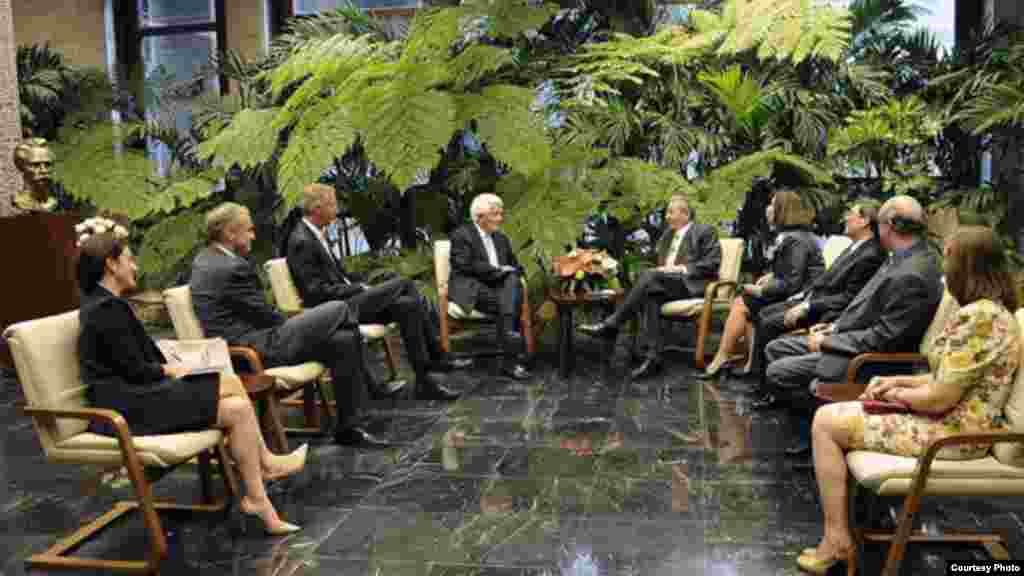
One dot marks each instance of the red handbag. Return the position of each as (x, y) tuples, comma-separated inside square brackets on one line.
[(882, 407)]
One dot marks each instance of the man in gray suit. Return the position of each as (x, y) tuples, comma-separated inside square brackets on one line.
[(689, 256), (891, 313), (230, 303)]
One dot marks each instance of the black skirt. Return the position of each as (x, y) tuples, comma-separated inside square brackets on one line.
[(169, 406)]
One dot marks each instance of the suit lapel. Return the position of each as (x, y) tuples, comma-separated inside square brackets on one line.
[(332, 263), (478, 243)]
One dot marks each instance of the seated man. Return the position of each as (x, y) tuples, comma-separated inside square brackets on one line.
[(485, 276), (891, 313), (320, 277), (230, 303), (689, 256), (827, 296)]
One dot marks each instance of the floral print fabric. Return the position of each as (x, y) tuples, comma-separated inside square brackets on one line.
[(977, 352)]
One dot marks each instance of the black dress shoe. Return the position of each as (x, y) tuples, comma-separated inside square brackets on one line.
[(602, 329), (453, 364), (765, 402), (516, 372), (388, 390), (431, 387), (650, 367), (800, 447), (359, 438)]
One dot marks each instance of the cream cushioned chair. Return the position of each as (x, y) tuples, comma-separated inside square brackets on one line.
[(282, 284), (45, 353), (456, 319), (1001, 475), (833, 247), (717, 297), (287, 379)]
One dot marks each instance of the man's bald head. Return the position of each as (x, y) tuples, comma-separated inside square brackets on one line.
[(903, 220)]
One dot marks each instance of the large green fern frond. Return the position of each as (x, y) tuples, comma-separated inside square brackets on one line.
[(322, 60), (1002, 104), (325, 132), (513, 132), (250, 140), (510, 18), (478, 61)]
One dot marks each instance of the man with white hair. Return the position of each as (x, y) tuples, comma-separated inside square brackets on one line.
[(890, 314), (486, 277)]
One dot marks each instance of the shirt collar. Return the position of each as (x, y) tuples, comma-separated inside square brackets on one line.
[(900, 255), (226, 250), (682, 231), (481, 231), (316, 231)]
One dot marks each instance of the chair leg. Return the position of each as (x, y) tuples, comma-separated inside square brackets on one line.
[(272, 427), (390, 355), (898, 546), (310, 409), (526, 325)]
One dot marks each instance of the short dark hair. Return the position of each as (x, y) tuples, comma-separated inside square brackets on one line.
[(977, 268), (92, 258)]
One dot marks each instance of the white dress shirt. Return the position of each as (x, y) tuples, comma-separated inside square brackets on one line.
[(677, 241), (492, 253)]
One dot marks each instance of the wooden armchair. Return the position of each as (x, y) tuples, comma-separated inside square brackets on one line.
[(903, 362), (454, 319), (45, 353), (1000, 474), (286, 379), (717, 298)]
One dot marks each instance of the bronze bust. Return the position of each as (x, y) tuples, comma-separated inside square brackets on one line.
[(34, 160)]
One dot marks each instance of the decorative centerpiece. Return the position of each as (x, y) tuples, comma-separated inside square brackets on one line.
[(584, 270)]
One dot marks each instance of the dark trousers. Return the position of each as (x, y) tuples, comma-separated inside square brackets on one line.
[(651, 291), (398, 300), (504, 300), (324, 334), (791, 369), (769, 324)]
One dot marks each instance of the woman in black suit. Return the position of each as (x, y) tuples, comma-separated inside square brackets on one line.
[(126, 372), (796, 261)]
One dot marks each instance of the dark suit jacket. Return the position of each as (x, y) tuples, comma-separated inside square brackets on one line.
[(229, 300), (318, 276), (114, 351), (831, 292), (700, 250), (796, 263), (470, 268), (891, 313)]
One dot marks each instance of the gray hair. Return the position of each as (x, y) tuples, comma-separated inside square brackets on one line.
[(313, 197), (483, 204), (220, 218)]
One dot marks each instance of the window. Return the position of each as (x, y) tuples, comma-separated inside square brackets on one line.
[(170, 41), (302, 7)]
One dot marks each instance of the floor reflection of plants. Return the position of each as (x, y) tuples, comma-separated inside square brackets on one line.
[(583, 469)]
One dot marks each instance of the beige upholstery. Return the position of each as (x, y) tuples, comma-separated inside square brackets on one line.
[(729, 270), (45, 355), (288, 300), (442, 270), (1013, 454), (834, 246), (186, 326), (890, 475)]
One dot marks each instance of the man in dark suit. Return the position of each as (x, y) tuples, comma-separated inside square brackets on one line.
[(826, 298), (230, 303), (320, 277), (891, 313), (689, 256), (486, 276)]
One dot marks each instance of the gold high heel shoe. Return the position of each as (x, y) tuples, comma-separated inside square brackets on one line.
[(282, 529), (297, 461), (820, 566)]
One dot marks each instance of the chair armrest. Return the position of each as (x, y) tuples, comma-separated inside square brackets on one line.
[(249, 355), (712, 288), (924, 463), (112, 417), (881, 358)]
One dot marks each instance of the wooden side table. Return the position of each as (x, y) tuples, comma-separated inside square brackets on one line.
[(566, 303)]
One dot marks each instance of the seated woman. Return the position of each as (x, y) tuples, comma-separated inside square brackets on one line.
[(973, 363), (796, 261), (126, 372)]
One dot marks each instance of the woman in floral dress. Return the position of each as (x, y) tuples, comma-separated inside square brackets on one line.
[(973, 363)]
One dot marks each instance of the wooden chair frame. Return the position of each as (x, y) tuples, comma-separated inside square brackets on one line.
[(707, 314), (995, 543), (57, 555), (450, 325)]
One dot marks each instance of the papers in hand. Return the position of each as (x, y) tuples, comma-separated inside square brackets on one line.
[(205, 356)]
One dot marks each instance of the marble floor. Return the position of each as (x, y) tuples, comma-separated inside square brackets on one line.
[(548, 477)]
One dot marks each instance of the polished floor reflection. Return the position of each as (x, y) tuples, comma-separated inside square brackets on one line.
[(579, 478)]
